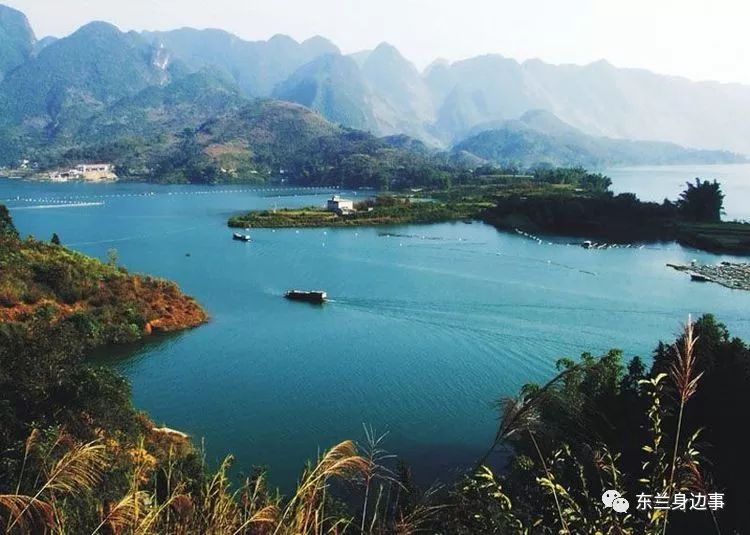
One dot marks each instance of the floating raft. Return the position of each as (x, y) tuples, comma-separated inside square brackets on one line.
[(731, 275)]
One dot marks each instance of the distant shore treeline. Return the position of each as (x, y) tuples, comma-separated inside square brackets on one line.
[(561, 201)]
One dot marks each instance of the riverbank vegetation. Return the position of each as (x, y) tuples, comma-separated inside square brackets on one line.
[(381, 210), (693, 220), (101, 302)]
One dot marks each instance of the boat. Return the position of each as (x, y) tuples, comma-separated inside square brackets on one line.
[(587, 244), (697, 277), (241, 237), (312, 296)]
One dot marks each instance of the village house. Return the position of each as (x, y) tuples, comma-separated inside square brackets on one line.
[(340, 205), (93, 172)]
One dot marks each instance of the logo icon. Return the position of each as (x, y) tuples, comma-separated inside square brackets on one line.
[(613, 499)]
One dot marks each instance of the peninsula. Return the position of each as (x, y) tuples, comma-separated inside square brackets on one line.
[(97, 302)]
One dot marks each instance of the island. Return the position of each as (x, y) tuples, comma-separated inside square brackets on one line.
[(380, 210)]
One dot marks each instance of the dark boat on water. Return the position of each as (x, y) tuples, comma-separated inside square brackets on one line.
[(315, 296), (241, 237)]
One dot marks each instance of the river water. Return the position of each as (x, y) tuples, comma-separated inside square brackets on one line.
[(427, 325)]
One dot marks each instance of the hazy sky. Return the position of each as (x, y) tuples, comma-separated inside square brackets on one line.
[(699, 39)]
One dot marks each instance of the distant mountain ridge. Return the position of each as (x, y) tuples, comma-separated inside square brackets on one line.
[(50, 89), (256, 66), (538, 137), (332, 85)]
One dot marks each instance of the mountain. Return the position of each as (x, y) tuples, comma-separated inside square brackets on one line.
[(256, 66), (43, 43), (51, 89), (77, 76), (16, 39), (334, 86), (403, 103), (199, 128), (538, 137), (599, 99), (480, 89), (186, 102)]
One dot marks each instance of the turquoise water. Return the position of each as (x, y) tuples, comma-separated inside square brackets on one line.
[(427, 324)]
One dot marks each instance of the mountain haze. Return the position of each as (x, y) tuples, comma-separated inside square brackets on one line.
[(538, 137), (403, 103), (599, 99), (256, 66)]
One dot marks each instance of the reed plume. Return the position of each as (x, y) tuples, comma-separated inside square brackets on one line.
[(304, 513), (685, 380), (27, 513), (124, 513), (78, 470)]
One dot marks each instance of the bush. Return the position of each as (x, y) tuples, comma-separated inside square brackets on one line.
[(9, 297), (32, 295)]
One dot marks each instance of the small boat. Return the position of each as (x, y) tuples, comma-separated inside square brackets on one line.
[(697, 277), (241, 237), (314, 296), (587, 244)]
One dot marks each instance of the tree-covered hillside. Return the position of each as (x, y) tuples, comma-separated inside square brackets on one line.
[(75, 78), (333, 86), (199, 128), (103, 303)]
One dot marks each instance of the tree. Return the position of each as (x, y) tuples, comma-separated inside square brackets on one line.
[(6, 223), (55, 239), (112, 257), (702, 201)]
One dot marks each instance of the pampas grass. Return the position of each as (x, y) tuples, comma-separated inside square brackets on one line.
[(685, 381), (78, 470)]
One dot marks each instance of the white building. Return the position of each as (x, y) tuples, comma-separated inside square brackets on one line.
[(339, 205), (93, 172), (94, 168)]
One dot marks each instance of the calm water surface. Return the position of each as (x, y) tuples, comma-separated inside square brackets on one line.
[(427, 324)]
